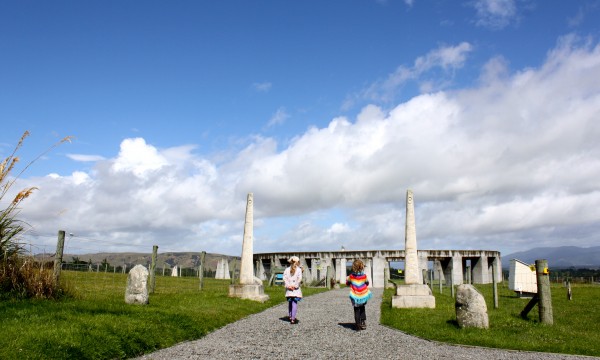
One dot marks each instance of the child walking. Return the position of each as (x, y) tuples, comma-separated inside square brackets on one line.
[(292, 277), (359, 293)]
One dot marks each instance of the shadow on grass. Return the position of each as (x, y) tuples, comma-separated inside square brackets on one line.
[(453, 323)]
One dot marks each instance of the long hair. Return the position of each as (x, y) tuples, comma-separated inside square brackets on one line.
[(358, 266), (293, 267)]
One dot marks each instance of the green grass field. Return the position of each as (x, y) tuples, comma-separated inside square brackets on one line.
[(97, 324), (576, 326)]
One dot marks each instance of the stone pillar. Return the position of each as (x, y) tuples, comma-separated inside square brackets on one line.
[(343, 271), (369, 269), (249, 286), (423, 265), (378, 271), (315, 269), (412, 274), (219, 272), (456, 269), (260, 270), (413, 294), (306, 273), (246, 268), (480, 270), (497, 265)]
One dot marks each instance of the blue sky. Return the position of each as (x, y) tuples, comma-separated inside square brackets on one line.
[(327, 111)]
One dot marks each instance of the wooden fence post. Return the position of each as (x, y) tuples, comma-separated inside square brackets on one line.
[(152, 282), (201, 272), (543, 283), (495, 287), (233, 267), (60, 246), (440, 277)]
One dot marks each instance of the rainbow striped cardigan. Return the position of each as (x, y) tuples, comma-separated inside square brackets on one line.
[(359, 288)]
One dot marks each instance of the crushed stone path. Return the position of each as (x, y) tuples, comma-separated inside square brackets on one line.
[(325, 331)]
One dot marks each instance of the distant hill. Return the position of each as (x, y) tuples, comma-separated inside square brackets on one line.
[(558, 257), (166, 260)]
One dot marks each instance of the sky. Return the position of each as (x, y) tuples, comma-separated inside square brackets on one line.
[(327, 111)]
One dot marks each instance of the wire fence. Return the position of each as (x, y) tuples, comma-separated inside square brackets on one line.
[(87, 267)]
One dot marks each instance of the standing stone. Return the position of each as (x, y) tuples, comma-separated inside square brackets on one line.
[(413, 294), (471, 310), (137, 290), (222, 269), (175, 271), (249, 287)]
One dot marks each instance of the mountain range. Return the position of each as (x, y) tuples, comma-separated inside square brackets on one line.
[(558, 257)]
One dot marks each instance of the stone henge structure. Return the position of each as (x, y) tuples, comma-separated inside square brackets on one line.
[(413, 294), (250, 287), (223, 269), (137, 289)]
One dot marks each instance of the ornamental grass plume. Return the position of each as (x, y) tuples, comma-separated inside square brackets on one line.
[(15, 276)]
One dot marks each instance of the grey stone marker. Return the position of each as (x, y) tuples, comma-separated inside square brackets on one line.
[(471, 310), (249, 287), (137, 290), (414, 294)]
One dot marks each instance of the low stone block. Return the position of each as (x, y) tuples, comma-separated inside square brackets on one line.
[(413, 302), (413, 290), (471, 309), (252, 292), (413, 296)]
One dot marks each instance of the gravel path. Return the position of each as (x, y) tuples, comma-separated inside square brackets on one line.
[(325, 331)]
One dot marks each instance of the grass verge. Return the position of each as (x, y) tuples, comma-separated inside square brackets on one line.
[(99, 325), (575, 330)]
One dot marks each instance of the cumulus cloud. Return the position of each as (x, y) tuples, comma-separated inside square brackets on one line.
[(508, 164)]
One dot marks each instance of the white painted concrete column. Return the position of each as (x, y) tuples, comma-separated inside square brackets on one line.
[(378, 272), (456, 266), (480, 271)]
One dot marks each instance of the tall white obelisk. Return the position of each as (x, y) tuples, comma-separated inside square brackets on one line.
[(249, 287), (413, 293)]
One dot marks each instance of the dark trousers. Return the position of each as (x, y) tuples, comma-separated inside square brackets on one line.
[(360, 315)]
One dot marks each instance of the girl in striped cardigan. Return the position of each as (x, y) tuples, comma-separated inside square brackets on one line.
[(359, 293)]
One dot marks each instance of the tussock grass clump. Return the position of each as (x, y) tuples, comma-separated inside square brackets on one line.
[(22, 278)]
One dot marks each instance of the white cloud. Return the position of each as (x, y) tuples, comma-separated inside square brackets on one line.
[(279, 117), (262, 87), (446, 58), (138, 157), (495, 14), (508, 164), (85, 158)]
